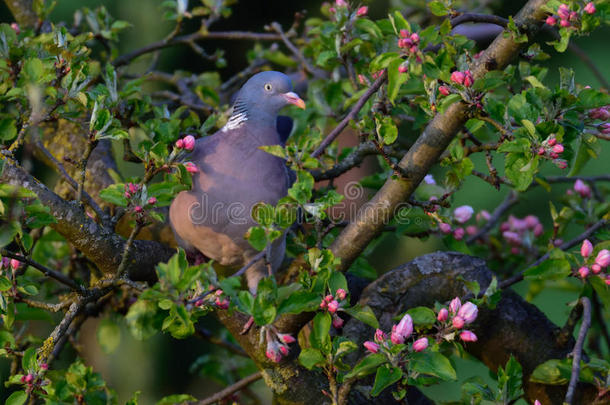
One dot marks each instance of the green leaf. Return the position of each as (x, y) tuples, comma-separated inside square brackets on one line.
[(395, 80), (143, 320), (367, 365), (385, 377), (438, 8), (179, 323), (368, 26), (245, 302), (8, 130), (176, 399), (310, 357), (336, 281), (382, 61), (520, 169), (551, 269), (300, 301), (108, 335), (16, 398), (5, 284), (434, 364), (28, 362), (320, 335), (422, 315), (554, 372), (363, 314), (301, 190), (114, 194), (446, 102), (257, 237)]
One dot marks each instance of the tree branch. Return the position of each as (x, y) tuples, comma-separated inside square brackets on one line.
[(241, 384), (23, 12), (577, 352)]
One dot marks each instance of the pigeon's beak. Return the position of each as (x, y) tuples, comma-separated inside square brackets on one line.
[(293, 98)]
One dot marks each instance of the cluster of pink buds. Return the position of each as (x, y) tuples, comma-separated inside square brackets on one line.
[(16, 28), (361, 12), (219, 301), (400, 332), (604, 128), (332, 304), (461, 215), (457, 316), (131, 189), (566, 17), (6, 263), (187, 143), (581, 188), (409, 42), (464, 78), (602, 260), (521, 232), (551, 149), (277, 344)]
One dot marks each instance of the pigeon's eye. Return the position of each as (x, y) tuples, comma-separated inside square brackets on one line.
[(268, 87)]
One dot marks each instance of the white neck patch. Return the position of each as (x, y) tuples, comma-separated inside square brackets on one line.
[(238, 117)]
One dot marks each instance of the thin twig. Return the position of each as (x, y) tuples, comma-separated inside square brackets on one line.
[(577, 352), (91, 144), (351, 115), (44, 305), (511, 199), (62, 278), (196, 36), (230, 389), (318, 73), (123, 265), (252, 261), (565, 246)]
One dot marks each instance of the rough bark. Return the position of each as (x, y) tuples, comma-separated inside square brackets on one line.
[(23, 12)]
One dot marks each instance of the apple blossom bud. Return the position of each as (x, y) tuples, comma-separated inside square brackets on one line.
[(362, 11), (371, 346), (414, 37), (558, 148), (286, 338), (590, 8), (333, 306), (471, 230), (222, 304), (443, 314), (458, 322), (152, 201), (602, 259), (586, 248), (444, 90), (457, 77), (361, 79), (455, 305), (468, 312), (468, 79), (380, 336), (395, 337), (458, 234), (483, 215), (405, 326), (583, 271), (604, 128), (329, 298), (179, 144), (323, 304), (188, 142), (582, 188), (29, 378), (191, 168), (15, 264), (284, 350), (404, 33), (538, 230), (596, 268), (138, 209), (564, 23), (420, 344), (536, 402), (341, 3), (341, 294), (44, 366), (468, 336), (403, 69), (541, 151), (133, 188), (16, 28), (337, 322), (573, 16), (463, 214), (512, 237), (561, 163), (273, 352), (551, 140), (550, 20), (444, 228), (563, 11)]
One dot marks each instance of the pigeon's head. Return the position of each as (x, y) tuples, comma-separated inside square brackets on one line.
[(268, 92)]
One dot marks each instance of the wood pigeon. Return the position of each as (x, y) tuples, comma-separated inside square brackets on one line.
[(234, 175)]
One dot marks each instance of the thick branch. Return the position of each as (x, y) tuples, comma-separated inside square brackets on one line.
[(428, 147), (23, 12)]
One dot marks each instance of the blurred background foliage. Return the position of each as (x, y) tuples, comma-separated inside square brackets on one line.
[(161, 365)]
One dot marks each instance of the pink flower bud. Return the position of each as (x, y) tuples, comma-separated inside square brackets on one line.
[(138, 209), (284, 350), (468, 336), (189, 142), (133, 188), (573, 16), (380, 336), (550, 20), (561, 163), (551, 140), (483, 215), (323, 304), (444, 90), (443, 315), (601, 113), (457, 77), (468, 79), (596, 268), (127, 195), (29, 378), (563, 11), (582, 188), (5, 263), (536, 402), (44, 366), (590, 8), (541, 151), (395, 337), (455, 305), (583, 271), (361, 79), (341, 3), (538, 230), (458, 322), (191, 168), (602, 259), (512, 237), (329, 298), (286, 338), (420, 344), (463, 214), (371, 346), (414, 37), (604, 128), (564, 23), (558, 148), (333, 306), (405, 326), (403, 69), (362, 11), (337, 322), (404, 33), (222, 304), (179, 143), (444, 228), (152, 201), (468, 312), (273, 353), (586, 248), (458, 234), (341, 294), (15, 264), (471, 230), (531, 221)]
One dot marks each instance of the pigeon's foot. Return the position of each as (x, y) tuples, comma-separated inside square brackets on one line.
[(247, 326)]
